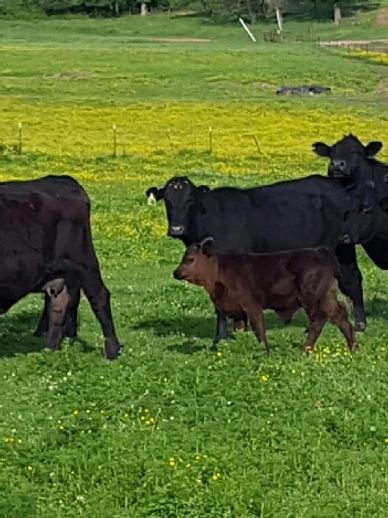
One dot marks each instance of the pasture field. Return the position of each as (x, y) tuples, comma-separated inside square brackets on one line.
[(172, 429)]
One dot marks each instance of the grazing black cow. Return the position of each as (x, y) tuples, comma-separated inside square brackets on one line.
[(353, 166), (45, 234), (303, 213), (58, 188), (241, 284)]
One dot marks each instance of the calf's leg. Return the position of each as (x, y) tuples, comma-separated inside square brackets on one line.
[(71, 326), (256, 318), (337, 314), (71, 322), (43, 323), (221, 333), (240, 325), (317, 320), (59, 300)]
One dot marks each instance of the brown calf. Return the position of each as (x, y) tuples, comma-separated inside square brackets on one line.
[(242, 285)]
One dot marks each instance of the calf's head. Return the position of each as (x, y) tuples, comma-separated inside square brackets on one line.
[(348, 157), (196, 263), (179, 195)]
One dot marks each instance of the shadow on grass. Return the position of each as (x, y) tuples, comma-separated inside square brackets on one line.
[(187, 347), (204, 327), (17, 335)]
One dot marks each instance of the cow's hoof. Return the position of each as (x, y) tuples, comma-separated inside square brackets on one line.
[(360, 327), (113, 353)]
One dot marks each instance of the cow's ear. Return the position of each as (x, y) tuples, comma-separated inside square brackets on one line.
[(373, 148), (154, 194), (322, 149), (206, 245), (204, 188)]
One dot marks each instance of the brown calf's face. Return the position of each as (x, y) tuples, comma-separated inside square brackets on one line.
[(195, 265)]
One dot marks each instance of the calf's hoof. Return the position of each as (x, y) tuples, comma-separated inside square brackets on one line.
[(360, 327), (354, 347), (217, 340)]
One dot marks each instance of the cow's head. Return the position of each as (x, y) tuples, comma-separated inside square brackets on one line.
[(179, 195), (195, 265), (347, 156)]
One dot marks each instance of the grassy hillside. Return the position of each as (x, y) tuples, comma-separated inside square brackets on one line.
[(172, 429)]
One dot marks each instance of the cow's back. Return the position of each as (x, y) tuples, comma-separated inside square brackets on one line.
[(270, 224)]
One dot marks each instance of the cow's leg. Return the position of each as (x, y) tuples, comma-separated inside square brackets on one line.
[(256, 318), (59, 300), (337, 314), (99, 298), (43, 323), (350, 283), (221, 332)]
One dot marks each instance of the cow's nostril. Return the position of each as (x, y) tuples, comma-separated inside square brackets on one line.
[(176, 230)]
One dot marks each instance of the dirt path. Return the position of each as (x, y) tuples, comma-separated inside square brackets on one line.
[(334, 43), (170, 40)]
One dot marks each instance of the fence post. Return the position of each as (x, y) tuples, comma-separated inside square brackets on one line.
[(114, 140), (20, 138), (210, 140)]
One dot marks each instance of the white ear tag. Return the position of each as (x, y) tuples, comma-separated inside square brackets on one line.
[(151, 199)]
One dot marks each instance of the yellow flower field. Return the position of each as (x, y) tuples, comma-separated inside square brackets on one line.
[(238, 131)]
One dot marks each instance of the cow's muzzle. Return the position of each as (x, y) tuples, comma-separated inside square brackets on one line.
[(176, 230), (339, 169)]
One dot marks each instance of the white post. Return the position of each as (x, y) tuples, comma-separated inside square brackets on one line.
[(143, 9), (247, 30), (279, 19)]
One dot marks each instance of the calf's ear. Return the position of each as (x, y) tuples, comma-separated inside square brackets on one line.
[(154, 194), (206, 245), (373, 148), (322, 149)]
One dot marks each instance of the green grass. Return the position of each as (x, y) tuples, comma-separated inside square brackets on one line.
[(172, 429)]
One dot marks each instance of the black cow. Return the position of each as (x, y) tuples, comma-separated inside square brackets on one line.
[(58, 188), (45, 234), (354, 168), (303, 213)]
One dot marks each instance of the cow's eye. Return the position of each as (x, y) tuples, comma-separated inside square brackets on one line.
[(189, 260)]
